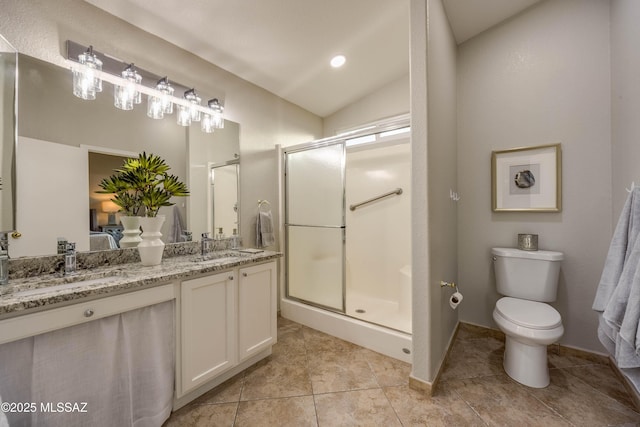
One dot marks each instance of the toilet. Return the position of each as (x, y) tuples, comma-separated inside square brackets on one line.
[(527, 280)]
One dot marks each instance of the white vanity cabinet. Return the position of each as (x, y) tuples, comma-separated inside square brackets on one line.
[(257, 309), (226, 322), (208, 328)]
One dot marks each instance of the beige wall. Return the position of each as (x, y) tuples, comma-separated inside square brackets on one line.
[(388, 101), (433, 139), (441, 178), (625, 99), (542, 77), (40, 28)]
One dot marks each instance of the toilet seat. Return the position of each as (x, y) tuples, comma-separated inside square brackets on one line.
[(528, 314)]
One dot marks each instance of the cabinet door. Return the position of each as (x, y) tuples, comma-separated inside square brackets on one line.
[(257, 305), (208, 328)]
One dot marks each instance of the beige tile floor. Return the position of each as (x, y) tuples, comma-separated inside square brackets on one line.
[(313, 379)]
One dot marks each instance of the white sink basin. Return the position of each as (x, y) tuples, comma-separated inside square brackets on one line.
[(220, 257), (80, 283), (216, 260)]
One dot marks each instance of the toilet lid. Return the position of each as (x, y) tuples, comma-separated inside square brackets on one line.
[(530, 314)]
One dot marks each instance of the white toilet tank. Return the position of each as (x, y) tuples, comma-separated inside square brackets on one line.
[(531, 275)]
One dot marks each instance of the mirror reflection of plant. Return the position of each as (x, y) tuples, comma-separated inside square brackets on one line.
[(144, 182), (127, 199)]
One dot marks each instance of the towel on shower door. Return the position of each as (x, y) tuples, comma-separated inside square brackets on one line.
[(264, 230), (618, 294)]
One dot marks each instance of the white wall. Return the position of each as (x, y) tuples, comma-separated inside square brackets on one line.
[(542, 77), (441, 177), (433, 140), (625, 99), (388, 101), (40, 28)]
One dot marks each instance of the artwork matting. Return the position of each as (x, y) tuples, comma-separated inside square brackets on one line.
[(527, 179)]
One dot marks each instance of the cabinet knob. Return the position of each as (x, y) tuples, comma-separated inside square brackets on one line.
[(230, 277), (245, 274), (88, 312)]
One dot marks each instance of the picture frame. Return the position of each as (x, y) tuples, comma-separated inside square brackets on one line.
[(527, 179)]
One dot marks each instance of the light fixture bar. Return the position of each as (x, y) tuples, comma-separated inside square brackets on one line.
[(112, 69)]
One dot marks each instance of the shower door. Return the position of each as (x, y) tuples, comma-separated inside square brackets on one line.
[(314, 220)]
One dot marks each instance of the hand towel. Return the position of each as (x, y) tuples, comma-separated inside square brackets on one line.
[(177, 229), (264, 230), (618, 293)]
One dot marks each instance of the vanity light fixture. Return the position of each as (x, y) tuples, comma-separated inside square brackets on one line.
[(184, 115), (213, 119), (85, 81), (217, 113), (90, 68), (158, 106), (127, 93), (195, 100)]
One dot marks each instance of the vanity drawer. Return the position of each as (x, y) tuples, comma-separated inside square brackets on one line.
[(28, 325)]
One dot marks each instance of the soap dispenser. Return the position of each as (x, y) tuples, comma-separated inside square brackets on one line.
[(220, 234), (235, 239)]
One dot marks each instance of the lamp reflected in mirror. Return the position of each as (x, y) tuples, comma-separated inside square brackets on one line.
[(110, 208)]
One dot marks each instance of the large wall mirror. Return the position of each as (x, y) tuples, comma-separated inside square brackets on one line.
[(223, 200), (8, 65), (66, 144)]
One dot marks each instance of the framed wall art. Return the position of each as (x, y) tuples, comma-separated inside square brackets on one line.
[(527, 179)]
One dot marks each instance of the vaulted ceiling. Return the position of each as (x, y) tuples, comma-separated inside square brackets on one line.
[(285, 46)]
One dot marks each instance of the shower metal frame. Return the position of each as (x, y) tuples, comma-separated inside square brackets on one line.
[(366, 130), (298, 149)]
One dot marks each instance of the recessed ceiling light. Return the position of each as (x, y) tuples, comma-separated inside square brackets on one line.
[(338, 61)]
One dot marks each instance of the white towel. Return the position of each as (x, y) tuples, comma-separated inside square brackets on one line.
[(618, 294), (264, 230), (3, 418)]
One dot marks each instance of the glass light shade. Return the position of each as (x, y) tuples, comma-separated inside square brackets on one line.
[(154, 107), (193, 98), (122, 97), (167, 92), (158, 106), (206, 125), (217, 111), (184, 115), (85, 79), (126, 95)]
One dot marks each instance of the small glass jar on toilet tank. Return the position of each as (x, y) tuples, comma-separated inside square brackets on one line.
[(528, 242)]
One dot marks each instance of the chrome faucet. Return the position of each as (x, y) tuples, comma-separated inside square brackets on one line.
[(70, 259), (205, 243), (4, 258)]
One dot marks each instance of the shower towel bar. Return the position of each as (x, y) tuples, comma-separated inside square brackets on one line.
[(397, 191)]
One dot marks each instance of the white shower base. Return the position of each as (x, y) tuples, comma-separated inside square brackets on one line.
[(377, 338), (379, 311)]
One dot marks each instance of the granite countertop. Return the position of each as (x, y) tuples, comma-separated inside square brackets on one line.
[(27, 295)]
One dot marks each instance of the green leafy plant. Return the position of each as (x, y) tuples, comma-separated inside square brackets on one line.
[(144, 181)]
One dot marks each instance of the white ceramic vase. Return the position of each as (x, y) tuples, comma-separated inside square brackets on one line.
[(151, 247), (131, 233)]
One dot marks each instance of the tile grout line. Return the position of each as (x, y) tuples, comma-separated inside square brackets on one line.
[(235, 417), (595, 389), (470, 406), (526, 390), (306, 358)]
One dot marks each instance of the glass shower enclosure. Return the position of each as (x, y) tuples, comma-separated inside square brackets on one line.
[(315, 224)]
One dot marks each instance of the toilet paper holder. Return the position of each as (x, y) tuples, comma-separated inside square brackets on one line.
[(456, 298), (448, 284)]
